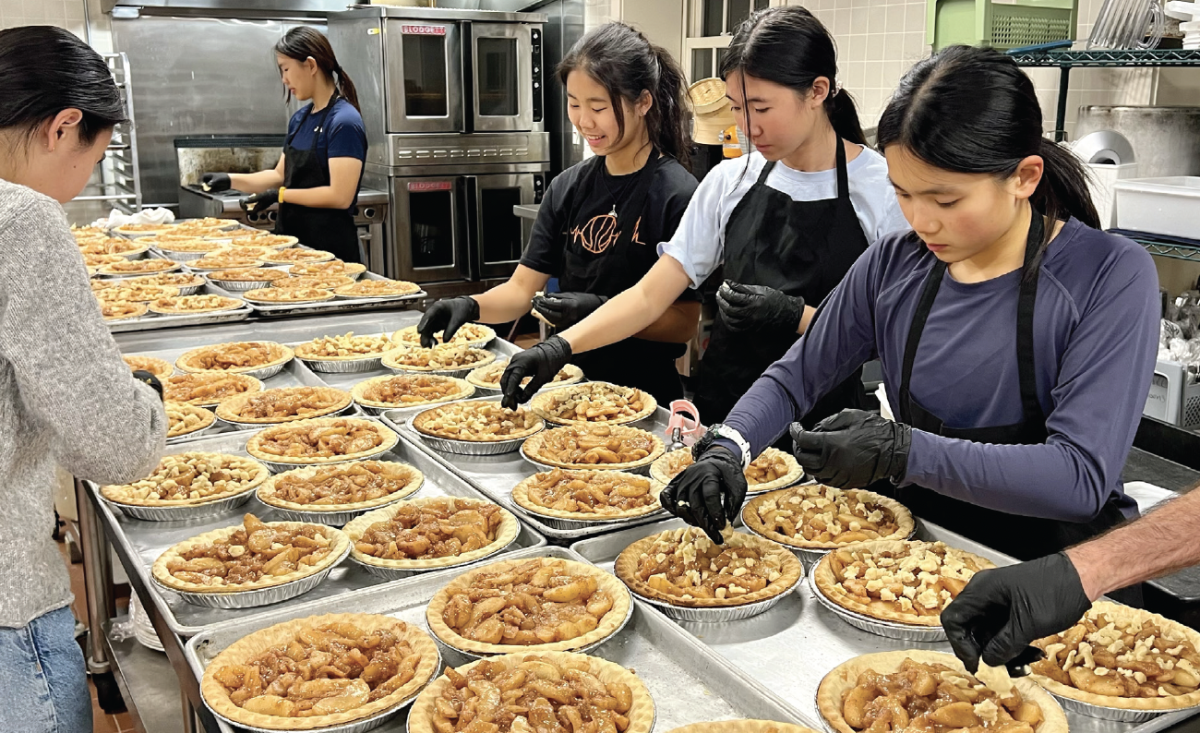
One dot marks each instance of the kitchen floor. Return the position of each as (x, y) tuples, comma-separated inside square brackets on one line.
[(101, 722)]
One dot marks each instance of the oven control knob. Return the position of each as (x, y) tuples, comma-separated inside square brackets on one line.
[(368, 213)]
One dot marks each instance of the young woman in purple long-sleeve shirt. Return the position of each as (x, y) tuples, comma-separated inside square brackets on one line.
[(1017, 340)]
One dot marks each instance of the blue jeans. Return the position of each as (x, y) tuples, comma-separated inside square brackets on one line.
[(43, 682)]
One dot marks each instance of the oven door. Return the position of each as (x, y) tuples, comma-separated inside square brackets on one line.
[(498, 236), (428, 240), (503, 78), (423, 76)]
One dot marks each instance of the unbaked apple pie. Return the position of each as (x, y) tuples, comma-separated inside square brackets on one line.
[(930, 692), (187, 419), (347, 347), (119, 310), (594, 402), (772, 469), (324, 282), (437, 359), (206, 389), (329, 267), (548, 604), (322, 440), (137, 267), (284, 296), (248, 275), (184, 479), (377, 289), (135, 293), (293, 256), (235, 357), (340, 488), (588, 495), (818, 517), (469, 334), (160, 368), (319, 671), (428, 534), (897, 580), (283, 404), (488, 376), (683, 567), (609, 447), (188, 304), (479, 420), (410, 390)]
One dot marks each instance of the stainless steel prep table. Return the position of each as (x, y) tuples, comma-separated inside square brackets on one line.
[(791, 647), (664, 658)]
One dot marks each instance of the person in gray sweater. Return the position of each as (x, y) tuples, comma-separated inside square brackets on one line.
[(66, 396)]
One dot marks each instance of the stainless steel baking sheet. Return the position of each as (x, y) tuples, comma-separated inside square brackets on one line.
[(153, 321), (687, 681), (140, 543), (791, 647), (338, 304)]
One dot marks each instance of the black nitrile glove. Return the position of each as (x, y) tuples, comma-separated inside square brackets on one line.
[(709, 493), (1003, 609), (144, 376), (540, 363), (853, 448), (259, 201), (758, 308), (216, 182), (447, 315), (566, 309)]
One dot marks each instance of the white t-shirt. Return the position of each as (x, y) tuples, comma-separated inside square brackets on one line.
[(699, 242)]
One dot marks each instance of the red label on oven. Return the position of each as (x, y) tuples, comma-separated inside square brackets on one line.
[(423, 30), (430, 186)]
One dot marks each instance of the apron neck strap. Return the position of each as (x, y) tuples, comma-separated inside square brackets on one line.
[(843, 178)]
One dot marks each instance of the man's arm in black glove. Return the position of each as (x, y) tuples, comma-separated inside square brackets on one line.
[(1002, 610), (447, 315), (259, 201), (853, 448), (759, 308), (709, 493), (540, 363), (566, 309), (216, 182)]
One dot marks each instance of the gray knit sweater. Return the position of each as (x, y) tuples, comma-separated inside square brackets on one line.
[(66, 398)]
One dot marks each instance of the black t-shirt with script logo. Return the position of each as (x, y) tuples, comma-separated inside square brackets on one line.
[(576, 239)]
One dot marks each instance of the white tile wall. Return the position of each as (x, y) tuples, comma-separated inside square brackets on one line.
[(879, 41)]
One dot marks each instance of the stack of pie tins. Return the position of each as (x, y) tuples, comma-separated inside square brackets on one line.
[(481, 446), (385, 441), (531, 450), (573, 520), (711, 610), (878, 619), (277, 356), (143, 629), (611, 621), (336, 515), (263, 592), (226, 670), (426, 715), (812, 552), (394, 569), (835, 690), (132, 500)]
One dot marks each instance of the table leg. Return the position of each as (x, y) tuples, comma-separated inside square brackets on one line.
[(97, 578)]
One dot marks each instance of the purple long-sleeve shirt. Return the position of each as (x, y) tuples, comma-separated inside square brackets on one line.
[(1095, 335)]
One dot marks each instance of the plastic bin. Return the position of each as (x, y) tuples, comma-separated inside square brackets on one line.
[(999, 25), (1168, 205), (1171, 398)]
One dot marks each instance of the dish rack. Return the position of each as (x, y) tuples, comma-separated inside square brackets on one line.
[(119, 179), (999, 25), (1174, 395)]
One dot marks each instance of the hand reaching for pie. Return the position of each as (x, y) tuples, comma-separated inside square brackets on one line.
[(447, 315), (541, 363), (708, 493)]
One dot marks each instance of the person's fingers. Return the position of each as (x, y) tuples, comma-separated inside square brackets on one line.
[(809, 447), (1018, 666), (712, 494), (842, 421), (740, 295), (959, 620), (1006, 645), (531, 389), (510, 383), (667, 497), (456, 321), (428, 324)]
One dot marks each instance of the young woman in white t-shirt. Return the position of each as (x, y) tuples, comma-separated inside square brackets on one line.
[(787, 222)]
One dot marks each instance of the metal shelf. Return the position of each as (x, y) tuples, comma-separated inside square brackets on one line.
[(120, 178), (1067, 60), (1173, 251)]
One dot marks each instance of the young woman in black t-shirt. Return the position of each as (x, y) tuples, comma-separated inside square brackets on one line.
[(601, 220)]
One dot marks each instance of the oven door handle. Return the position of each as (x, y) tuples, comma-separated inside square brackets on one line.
[(469, 254)]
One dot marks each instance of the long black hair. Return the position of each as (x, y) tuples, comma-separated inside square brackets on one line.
[(302, 43), (790, 47), (972, 110), (47, 70), (626, 64)]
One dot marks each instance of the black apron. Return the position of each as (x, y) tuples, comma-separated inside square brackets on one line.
[(803, 248), (601, 258), (332, 230), (1022, 537)]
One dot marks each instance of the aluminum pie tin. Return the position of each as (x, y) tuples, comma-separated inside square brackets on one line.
[(720, 614), (278, 467), (398, 573), (809, 557), (355, 726), (335, 518), (889, 629), (183, 513), (259, 596), (601, 525), (207, 429), (344, 366), (260, 373), (1104, 712), (523, 649), (459, 373), (264, 425), (240, 286), (174, 254), (640, 470), (471, 447), (190, 289)]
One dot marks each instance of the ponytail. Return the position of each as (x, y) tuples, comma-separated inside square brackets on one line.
[(972, 110), (621, 60), (790, 47), (302, 43)]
